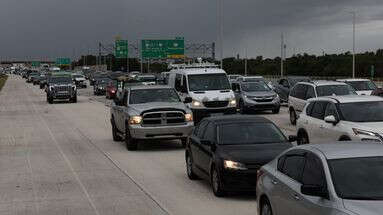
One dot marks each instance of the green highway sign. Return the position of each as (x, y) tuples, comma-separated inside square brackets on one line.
[(121, 50), (157, 49), (63, 61), (36, 63)]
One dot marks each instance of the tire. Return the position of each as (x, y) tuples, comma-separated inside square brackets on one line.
[(183, 142), (242, 108), (50, 100), (276, 111), (345, 138), (216, 183), (266, 208), (293, 117), (131, 143), (189, 167), (115, 135), (74, 100), (303, 138)]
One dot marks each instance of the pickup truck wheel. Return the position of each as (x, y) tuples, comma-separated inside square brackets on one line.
[(276, 110), (74, 100), (131, 143), (303, 138), (50, 100), (116, 137), (242, 108), (293, 117)]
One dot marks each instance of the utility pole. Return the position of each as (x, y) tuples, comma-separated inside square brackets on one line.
[(127, 56), (221, 17), (142, 58), (353, 43), (282, 47), (99, 56), (246, 61)]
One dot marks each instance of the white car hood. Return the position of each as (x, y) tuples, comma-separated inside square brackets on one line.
[(212, 95), (364, 207), (365, 92)]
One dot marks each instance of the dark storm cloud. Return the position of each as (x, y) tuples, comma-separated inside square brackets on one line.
[(42, 28)]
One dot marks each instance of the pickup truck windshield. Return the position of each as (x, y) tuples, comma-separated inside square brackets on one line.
[(205, 82), (153, 95)]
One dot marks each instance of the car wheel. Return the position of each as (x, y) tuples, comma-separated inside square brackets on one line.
[(242, 108), (293, 117), (131, 143), (276, 111), (216, 183), (303, 139), (50, 100), (189, 167), (184, 141), (266, 208), (74, 100), (116, 137)]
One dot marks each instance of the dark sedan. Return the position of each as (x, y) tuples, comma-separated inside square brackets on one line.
[(229, 150)]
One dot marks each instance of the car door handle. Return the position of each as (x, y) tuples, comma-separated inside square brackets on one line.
[(296, 197), (275, 182)]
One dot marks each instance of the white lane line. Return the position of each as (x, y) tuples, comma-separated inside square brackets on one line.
[(67, 161)]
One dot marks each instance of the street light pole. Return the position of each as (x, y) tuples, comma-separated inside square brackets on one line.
[(282, 47), (353, 43), (221, 29)]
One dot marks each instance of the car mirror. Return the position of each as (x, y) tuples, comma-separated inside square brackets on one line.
[(292, 138), (314, 190), (188, 100), (331, 119)]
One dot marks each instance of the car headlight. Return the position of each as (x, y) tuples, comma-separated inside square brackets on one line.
[(188, 117), (196, 103), (228, 164), (364, 132), (232, 102), (134, 120)]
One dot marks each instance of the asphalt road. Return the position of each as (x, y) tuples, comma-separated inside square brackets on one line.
[(60, 159)]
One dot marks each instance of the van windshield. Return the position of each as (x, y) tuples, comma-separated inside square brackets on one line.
[(205, 82)]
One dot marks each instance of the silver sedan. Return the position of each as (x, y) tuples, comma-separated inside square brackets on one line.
[(341, 179)]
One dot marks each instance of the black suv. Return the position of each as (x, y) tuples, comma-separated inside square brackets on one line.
[(229, 150), (61, 87)]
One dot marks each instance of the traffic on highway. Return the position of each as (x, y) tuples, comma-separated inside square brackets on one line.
[(193, 140)]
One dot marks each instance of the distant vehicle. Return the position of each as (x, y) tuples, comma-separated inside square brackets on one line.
[(250, 78), (61, 87), (361, 86), (207, 86), (32, 76), (99, 87), (133, 74), (111, 89), (303, 91), (148, 113), (229, 150), (97, 75), (323, 179), (79, 80), (341, 118), (146, 79), (37, 80), (165, 77), (233, 78), (284, 85), (255, 96)]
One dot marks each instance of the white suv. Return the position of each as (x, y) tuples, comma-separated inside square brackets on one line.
[(303, 91), (361, 86), (341, 118)]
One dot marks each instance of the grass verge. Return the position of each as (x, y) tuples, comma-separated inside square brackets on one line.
[(3, 79)]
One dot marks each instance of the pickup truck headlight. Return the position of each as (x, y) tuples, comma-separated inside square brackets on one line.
[(228, 164), (196, 103), (188, 117), (134, 120), (232, 102)]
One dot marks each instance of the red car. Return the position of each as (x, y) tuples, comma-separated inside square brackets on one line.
[(111, 90)]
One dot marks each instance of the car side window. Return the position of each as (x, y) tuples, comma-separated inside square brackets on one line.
[(184, 85), (313, 173), (331, 110), (310, 108), (210, 133), (178, 81), (281, 162), (310, 93), (293, 92), (201, 129), (318, 110), (293, 166)]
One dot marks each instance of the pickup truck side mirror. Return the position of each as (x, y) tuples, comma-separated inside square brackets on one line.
[(188, 100)]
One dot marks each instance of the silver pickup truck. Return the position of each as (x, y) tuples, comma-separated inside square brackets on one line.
[(149, 113)]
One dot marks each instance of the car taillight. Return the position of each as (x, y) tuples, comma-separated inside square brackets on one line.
[(260, 172)]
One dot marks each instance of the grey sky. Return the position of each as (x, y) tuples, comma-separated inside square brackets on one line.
[(43, 28)]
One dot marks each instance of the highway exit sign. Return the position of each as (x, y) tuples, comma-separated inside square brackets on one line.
[(121, 49), (162, 49)]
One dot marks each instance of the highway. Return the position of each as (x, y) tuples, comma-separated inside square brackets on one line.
[(60, 159)]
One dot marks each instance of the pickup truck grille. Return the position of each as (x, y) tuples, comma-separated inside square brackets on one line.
[(163, 118), (216, 104)]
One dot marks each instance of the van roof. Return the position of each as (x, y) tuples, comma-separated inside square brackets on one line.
[(199, 71)]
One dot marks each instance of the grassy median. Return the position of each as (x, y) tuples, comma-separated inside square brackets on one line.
[(3, 79)]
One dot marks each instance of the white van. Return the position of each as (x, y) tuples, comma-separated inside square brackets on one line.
[(205, 88)]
